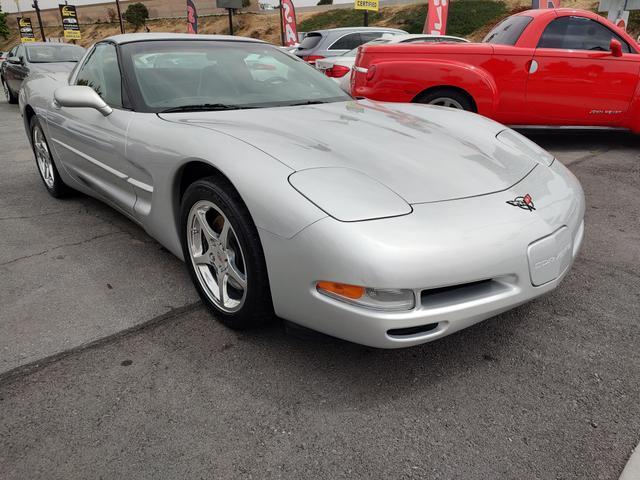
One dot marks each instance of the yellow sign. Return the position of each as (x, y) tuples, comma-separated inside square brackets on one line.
[(372, 5), (27, 39), (72, 35)]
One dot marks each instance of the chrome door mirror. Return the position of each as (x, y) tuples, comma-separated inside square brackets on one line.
[(77, 96), (616, 48)]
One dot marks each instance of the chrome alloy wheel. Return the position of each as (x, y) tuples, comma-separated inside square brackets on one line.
[(446, 102), (217, 257), (43, 157)]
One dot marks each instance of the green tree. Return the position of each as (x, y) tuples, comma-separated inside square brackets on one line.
[(136, 14), (325, 2), (246, 3), (4, 29)]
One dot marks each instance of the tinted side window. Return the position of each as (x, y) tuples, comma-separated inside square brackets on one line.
[(508, 32), (368, 36), (102, 73), (20, 52), (579, 33), (348, 42)]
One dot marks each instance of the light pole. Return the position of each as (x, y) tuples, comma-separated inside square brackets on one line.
[(37, 9)]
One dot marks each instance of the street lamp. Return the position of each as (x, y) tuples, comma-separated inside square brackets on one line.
[(37, 9)]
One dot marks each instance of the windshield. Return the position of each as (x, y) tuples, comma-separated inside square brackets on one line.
[(54, 53), (220, 75), (508, 32)]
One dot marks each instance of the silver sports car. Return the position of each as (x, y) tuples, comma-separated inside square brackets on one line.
[(388, 225)]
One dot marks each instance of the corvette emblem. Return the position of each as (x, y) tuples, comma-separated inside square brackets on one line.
[(526, 202)]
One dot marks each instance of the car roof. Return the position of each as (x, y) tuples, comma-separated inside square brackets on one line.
[(146, 37), (356, 29)]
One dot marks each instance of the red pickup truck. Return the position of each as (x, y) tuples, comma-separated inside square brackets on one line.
[(558, 67)]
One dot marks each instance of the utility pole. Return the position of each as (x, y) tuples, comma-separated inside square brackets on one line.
[(120, 17), (37, 9), (366, 18)]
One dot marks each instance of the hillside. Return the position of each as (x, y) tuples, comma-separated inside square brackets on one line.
[(469, 18)]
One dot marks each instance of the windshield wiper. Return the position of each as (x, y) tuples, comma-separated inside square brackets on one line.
[(212, 107), (308, 102)]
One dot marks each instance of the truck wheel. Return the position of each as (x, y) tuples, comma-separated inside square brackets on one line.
[(447, 97)]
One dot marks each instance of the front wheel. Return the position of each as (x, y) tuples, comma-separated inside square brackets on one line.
[(224, 255), (9, 95), (447, 97), (46, 167)]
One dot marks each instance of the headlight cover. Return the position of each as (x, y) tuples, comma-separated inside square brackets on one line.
[(522, 144), (348, 195)]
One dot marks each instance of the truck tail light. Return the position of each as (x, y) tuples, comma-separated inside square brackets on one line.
[(337, 71), (312, 58)]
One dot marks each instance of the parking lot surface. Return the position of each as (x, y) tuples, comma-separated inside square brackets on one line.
[(547, 391)]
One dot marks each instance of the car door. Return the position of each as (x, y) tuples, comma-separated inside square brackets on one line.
[(17, 71), (91, 145), (574, 78)]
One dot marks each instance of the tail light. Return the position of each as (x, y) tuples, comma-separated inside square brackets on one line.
[(312, 58), (371, 72), (337, 71)]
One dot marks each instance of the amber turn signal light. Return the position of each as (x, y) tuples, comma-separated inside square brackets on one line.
[(341, 289)]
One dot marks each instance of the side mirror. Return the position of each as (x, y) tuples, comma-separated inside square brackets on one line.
[(78, 96), (14, 60), (616, 48)]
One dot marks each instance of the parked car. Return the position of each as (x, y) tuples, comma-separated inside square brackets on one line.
[(339, 68), (280, 192), (26, 59), (557, 67), (337, 41)]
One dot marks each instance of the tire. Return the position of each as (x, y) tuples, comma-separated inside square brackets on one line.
[(447, 97), (235, 258), (10, 96), (45, 163)]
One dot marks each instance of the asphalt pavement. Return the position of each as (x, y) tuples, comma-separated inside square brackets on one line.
[(550, 390)]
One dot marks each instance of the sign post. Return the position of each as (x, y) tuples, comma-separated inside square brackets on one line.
[(545, 4), (26, 30), (436, 23), (367, 6), (70, 25), (230, 5)]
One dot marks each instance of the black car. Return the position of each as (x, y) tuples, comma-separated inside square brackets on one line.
[(24, 59)]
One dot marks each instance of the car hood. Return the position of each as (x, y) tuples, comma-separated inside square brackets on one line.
[(52, 67), (422, 153)]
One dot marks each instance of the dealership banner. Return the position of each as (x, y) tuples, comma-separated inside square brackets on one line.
[(371, 5), (545, 3), (192, 17), (26, 30), (289, 26), (70, 25), (436, 23)]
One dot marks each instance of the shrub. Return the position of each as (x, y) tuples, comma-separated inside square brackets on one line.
[(136, 14)]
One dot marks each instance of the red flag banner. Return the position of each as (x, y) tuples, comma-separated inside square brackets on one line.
[(289, 23), (436, 23), (192, 17)]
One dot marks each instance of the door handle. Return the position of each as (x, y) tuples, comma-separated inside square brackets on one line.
[(532, 66)]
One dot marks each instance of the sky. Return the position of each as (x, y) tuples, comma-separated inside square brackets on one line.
[(10, 5)]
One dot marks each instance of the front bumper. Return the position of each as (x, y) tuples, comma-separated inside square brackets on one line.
[(481, 239)]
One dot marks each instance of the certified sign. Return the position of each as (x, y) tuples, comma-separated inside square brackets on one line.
[(26, 30), (371, 5), (70, 24)]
